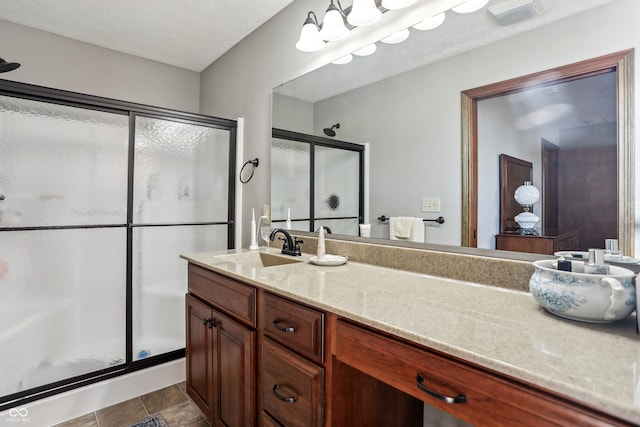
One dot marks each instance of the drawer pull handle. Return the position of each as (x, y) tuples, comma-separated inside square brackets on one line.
[(290, 399), (276, 324), (457, 399), (209, 323)]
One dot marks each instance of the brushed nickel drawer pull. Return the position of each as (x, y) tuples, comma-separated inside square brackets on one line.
[(290, 399), (276, 324), (457, 399)]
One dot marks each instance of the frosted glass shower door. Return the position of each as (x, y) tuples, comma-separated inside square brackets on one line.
[(180, 205), (63, 207), (337, 189), (290, 181)]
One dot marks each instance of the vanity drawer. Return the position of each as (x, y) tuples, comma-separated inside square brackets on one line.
[(470, 393), (292, 387), (232, 297), (293, 325)]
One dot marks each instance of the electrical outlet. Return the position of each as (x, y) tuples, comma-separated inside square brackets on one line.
[(266, 211), (431, 204)]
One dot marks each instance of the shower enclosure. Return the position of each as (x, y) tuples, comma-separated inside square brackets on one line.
[(321, 180), (97, 199)]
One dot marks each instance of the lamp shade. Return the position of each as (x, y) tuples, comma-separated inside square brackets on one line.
[(430, 23), (526, 194), (363, 13), (344, 60), (397, 4), (470, 6), (367, 50), (310, 39), (398, 37), (333, 27)]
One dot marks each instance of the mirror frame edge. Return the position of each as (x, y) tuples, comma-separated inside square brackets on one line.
[(623, 62)]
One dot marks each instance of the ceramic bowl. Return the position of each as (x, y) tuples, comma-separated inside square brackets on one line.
[(585, 297)]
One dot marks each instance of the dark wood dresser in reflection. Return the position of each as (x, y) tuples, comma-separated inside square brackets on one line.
[(538, 244)]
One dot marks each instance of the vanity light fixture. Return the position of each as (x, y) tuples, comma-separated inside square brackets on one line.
[(310, 39), (366, 51), (397, 4), (470, 6), (398, 37), (344, 60), (363, 13), (333, 27), (430, 23)]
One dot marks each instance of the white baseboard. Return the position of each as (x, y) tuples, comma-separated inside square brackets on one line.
[(74, 403)]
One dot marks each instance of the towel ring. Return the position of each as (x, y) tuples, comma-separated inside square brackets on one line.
[(255, 162)]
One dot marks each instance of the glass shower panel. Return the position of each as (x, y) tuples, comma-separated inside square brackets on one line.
[(290, 179), (62, 306), (159, 283), (61, 165), (348, 226), (181, 172), (337, 183)]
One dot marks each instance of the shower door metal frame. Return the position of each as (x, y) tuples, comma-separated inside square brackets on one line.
[(133, 110), (313, 141)]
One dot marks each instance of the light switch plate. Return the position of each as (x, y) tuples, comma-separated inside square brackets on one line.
[(266, 211), (431, 204)]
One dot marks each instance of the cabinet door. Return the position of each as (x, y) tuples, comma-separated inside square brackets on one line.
[(235, 374), (200, 355)]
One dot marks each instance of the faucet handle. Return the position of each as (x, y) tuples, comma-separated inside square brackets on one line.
[(296, 245)]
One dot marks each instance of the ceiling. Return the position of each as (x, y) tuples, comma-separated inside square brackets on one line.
[(459, 33), (192, 34), (189, 34)]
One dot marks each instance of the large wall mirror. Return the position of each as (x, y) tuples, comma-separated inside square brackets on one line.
[(434, 131)]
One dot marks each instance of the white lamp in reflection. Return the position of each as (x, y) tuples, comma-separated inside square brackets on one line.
[(527, 195)]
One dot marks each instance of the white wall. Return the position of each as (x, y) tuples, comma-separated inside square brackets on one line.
[(58, 62), (240, 83)]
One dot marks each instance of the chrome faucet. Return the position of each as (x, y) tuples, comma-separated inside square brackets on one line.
[(290, 246)]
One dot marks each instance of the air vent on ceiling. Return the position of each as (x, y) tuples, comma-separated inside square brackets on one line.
[(515, 11)]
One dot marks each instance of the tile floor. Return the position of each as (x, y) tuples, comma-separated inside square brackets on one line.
[(171, 402)]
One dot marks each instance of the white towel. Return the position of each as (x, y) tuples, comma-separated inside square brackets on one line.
[(416, 233), (402, 227)]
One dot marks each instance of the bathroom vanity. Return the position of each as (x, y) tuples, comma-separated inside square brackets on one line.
[(277, 341)]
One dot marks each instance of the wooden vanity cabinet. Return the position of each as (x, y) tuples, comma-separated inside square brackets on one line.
[(292, 373), (468, 392), (221, 348), (256, 358)]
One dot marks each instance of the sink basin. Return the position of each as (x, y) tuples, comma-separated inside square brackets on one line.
[(269, 260), (259, 259)]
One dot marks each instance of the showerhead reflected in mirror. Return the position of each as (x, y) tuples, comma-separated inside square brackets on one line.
[(330, 131), (8, 66)]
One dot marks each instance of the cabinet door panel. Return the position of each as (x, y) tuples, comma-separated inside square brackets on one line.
[(236, 373), (200, 355)]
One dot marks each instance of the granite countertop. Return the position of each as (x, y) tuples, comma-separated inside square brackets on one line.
[(501, 329)]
